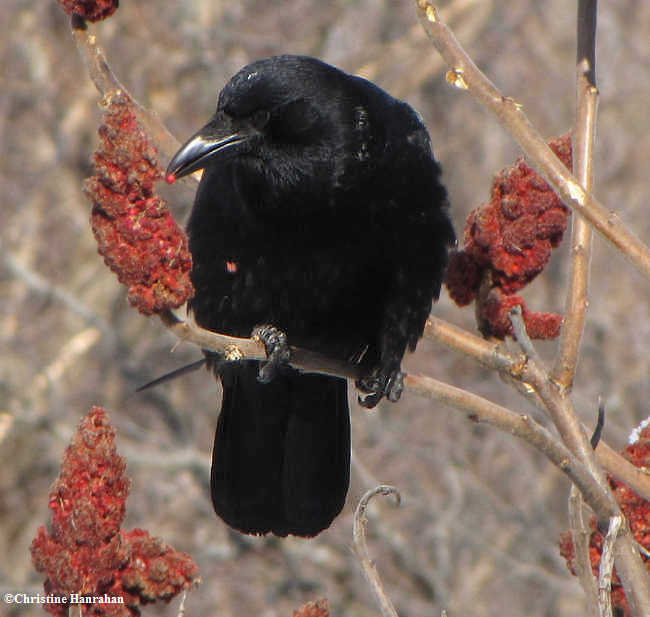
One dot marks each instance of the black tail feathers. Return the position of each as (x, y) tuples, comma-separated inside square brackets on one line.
[(281, 457)]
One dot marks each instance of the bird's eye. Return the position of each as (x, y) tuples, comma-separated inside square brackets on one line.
[(296, 122), (260, 118)]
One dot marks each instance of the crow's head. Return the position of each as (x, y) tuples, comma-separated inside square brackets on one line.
[(292, 121)]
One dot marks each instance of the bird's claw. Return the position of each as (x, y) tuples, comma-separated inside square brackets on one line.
[(388, 383), (277, 351)]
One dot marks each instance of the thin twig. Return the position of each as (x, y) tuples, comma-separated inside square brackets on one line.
[(580, 535), (490, 354), (600, 424), (630, 567), (35, 282), (465, 75), (521, 334), (410, 561), (523, 426), (107, 83), (560, 408), (361, 548), (584, 137), (607, 567), (181, 608)]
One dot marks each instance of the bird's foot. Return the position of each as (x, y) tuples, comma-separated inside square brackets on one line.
[(381, 382), (277, 351)]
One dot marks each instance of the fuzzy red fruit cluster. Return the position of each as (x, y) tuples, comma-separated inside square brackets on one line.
[(91, 10), (636, 510), (318, 608), (136, 234), (507, 243), (85, 553)]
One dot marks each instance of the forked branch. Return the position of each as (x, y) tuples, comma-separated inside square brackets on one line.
[(465, 75)]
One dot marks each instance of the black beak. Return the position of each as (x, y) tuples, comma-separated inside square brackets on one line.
[(221, 133)]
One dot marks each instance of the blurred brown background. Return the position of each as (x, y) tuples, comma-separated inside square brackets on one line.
[(477, 530)]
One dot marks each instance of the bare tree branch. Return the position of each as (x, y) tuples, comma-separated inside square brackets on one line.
[(632, 571), (465, 75), (619, 467), (523, 426), (607, 567), (584, 137), (630, 567), (490, 354), (235, 349), (561, 411), (107, 83), (580, 535), (495, 356)]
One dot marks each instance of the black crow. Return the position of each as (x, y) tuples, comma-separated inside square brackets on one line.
[(320, 213)]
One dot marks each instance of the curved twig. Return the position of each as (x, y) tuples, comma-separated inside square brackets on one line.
[(361, 547)]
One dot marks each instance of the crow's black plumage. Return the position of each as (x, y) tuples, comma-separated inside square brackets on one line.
[(320, 212)]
